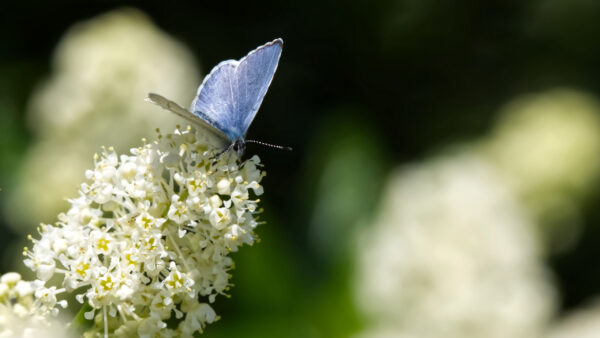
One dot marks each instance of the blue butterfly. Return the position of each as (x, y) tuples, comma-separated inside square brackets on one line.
[(229, 97)]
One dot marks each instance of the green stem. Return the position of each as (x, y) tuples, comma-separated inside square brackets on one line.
[(79, 323)]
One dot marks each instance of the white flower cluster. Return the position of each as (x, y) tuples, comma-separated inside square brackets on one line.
[(148, 238), (452, 255), (27, 309), (545, 147)]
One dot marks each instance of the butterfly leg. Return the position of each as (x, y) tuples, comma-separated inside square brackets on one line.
[(218, 155)]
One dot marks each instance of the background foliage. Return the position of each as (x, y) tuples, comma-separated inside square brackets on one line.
[(362, 88)]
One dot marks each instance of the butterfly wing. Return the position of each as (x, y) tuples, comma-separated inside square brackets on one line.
[(232, 93), (215, 135)]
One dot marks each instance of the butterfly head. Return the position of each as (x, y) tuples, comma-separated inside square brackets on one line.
[(239, 146)]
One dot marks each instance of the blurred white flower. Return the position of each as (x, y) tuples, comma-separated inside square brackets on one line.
[(451, 254), (141, 245), (582, 323), (102, 71), (546, 147), (27, 310)]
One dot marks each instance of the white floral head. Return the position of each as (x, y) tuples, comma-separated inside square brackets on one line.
[(148, 239)]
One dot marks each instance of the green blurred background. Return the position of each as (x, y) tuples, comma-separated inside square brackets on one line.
[(444, 178)]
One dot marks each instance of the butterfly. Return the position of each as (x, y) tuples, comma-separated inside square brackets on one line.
[(229, 97)]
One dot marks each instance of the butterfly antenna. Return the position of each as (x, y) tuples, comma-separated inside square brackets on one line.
[(270, 145)]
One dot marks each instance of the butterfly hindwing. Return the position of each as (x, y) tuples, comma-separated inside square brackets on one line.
[(232, 93), (215, 135), (214, 101)]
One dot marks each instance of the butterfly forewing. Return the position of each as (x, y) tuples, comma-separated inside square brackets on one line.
[(255, 74)]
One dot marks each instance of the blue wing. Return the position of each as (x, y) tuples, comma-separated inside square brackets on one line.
[(231, 94)]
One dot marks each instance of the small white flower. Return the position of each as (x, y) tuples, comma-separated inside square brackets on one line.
[(150, 327), (214, 202), (223, 187), (178, 210), (220, 218), (10, 278), (197, 316)]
